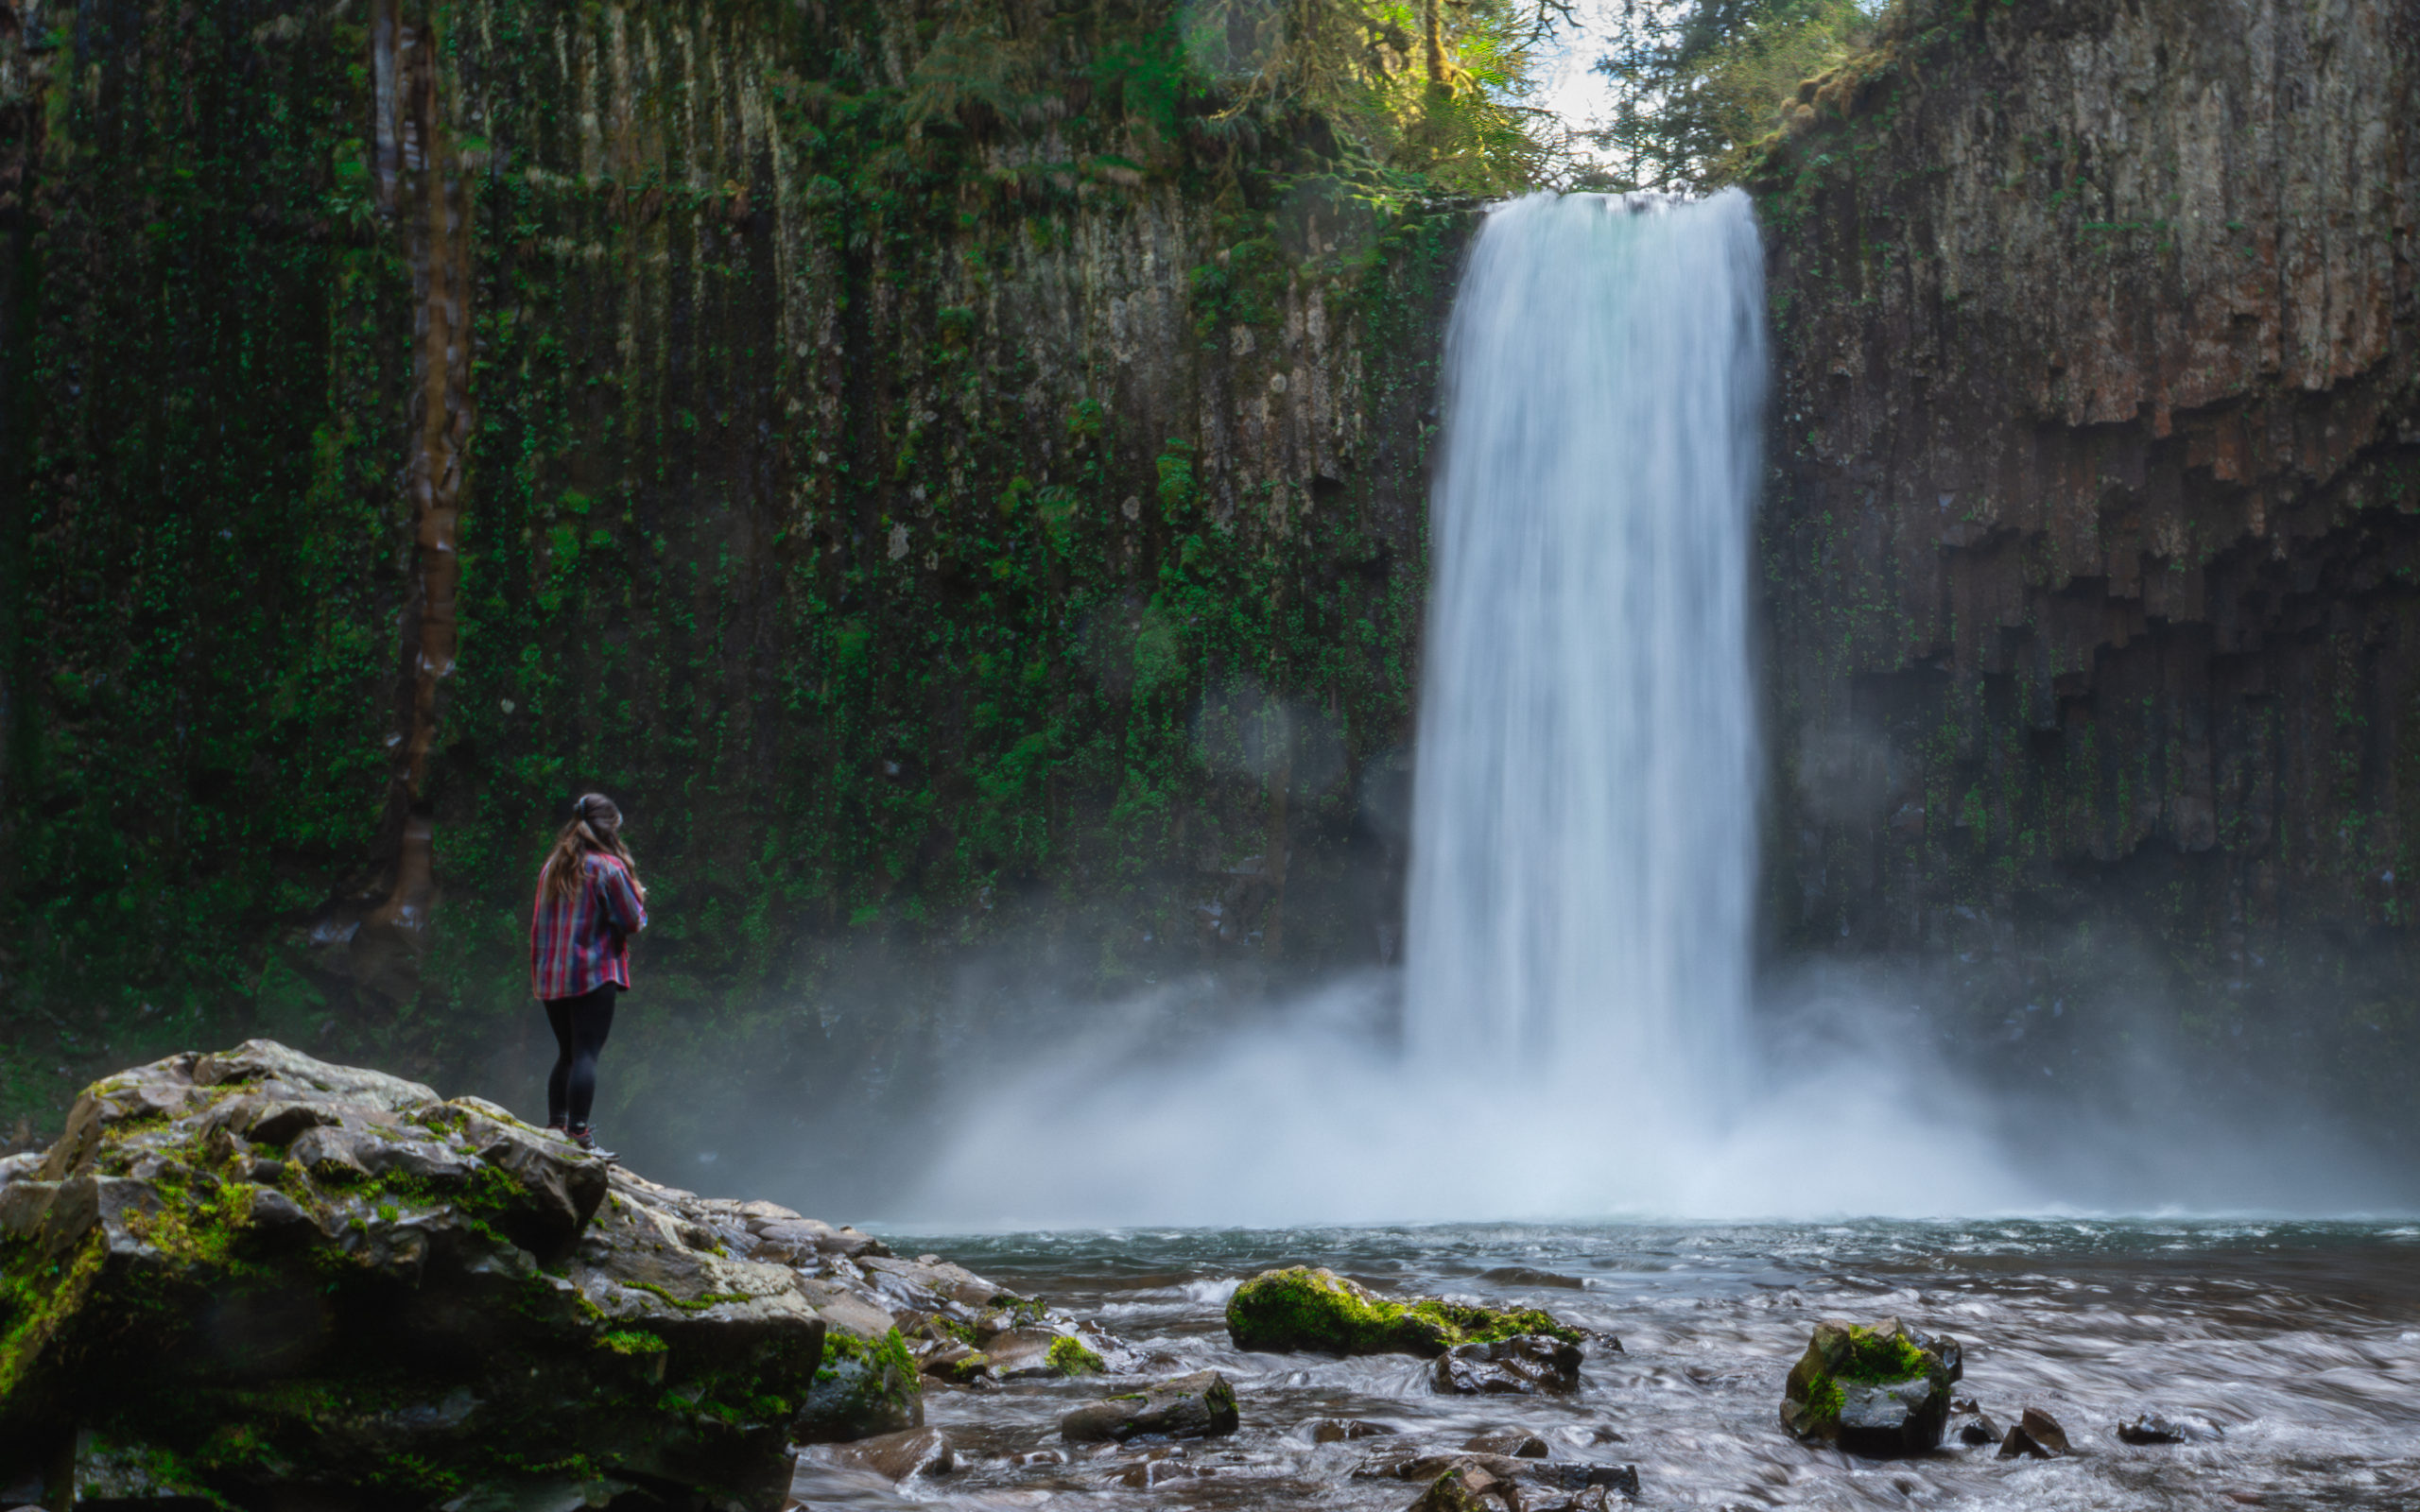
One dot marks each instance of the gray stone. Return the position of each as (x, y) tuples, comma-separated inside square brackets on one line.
[(1201, 1405), (1021, 1354), (1879, 1390), (1468, 1487), (329, 1152), (267, 1061), (421, 1159), (861, 1392), (556, 1186), (848, 1311), (23, 1205), (1517, 1443), (2037, 1435), (654, 1362), (1523, 1365), (899, 1457), (2151, 1428), (280, 1121)]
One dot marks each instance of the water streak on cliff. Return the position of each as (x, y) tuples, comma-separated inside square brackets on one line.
[(1584, 846), (418, 178)]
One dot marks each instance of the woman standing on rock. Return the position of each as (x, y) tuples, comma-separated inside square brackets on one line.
[(590, 902)]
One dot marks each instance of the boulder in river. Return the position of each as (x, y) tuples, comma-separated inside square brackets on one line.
[(1523, 1365), (1201, 1405), (2038, 1434), (299, 1282), (1883, 1391), (1341, 1429), (1467, 1487), (899, 1457), (867, 1388), (1316, 1310), (2151, 1427), (1515, 1443), (303, 1284), (1410, 1463)]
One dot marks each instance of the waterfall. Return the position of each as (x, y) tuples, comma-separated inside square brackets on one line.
[(1583, 855), (1575, 991)]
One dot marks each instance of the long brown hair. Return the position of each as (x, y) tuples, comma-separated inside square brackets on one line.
[(596, 826)]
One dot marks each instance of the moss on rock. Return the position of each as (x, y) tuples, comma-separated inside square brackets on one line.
[(360, 1316), (1883, 1390), (1316, 1310), (1070, 1358), (864, 1387)]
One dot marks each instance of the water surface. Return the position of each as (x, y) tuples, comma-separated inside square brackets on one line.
[(2300, 1340)]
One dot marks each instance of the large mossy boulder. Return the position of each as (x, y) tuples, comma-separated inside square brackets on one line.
[(867, 1386), (1317, 1310), (1881, 1390), (272, 1280)]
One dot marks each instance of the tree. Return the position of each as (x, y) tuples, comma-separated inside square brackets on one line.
[(1697, 82)]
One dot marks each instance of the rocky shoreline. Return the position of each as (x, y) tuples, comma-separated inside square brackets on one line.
[(252, 1278)]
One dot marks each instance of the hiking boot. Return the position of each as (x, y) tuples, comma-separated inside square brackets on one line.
[(585, 1138)]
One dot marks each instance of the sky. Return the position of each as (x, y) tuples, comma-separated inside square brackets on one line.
[(1574, 92)]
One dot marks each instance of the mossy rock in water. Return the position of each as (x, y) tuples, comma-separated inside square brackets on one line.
[(866, 1386), (1883, 1391), (256, 1280), (1281, 1311)]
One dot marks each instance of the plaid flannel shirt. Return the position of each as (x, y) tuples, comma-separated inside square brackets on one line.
[(579, 943)]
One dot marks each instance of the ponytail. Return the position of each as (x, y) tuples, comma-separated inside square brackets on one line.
[(595, 828)]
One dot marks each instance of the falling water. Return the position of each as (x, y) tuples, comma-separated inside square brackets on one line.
[(1584, 822)]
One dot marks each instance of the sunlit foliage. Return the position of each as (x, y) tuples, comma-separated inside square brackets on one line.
[(1698, 82), (1442, 89)]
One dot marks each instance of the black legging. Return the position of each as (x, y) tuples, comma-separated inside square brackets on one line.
[(581, 1025)]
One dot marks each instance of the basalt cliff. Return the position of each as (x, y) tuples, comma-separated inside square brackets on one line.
[(2090, 547), (961, 488)]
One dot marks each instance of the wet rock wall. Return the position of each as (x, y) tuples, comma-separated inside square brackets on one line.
[(957, 487), (2090, 555)]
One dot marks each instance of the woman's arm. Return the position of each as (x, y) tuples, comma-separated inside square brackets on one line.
[(623, 900)]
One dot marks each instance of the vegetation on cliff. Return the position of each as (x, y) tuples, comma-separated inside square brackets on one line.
[(954, 477)]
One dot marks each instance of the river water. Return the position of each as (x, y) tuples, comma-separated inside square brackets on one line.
[(2300, 1341)]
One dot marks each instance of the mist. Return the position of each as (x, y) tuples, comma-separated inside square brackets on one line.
[(1312, 1113)]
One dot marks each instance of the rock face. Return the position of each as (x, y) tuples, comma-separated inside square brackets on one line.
[(1316, 1310), (1201, 1405), (282, 1278), (852, 341), (1883, 1391), (2096, 454)]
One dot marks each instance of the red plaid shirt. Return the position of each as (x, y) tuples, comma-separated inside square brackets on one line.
[(579, 943)]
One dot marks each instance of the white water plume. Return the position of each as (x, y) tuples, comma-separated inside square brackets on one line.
[(1583, 859)]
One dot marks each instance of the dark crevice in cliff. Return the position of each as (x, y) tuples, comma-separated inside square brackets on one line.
[(423, 184)]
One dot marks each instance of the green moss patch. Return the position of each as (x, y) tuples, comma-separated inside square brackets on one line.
[(1303, 1308), (1070, 1358)]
